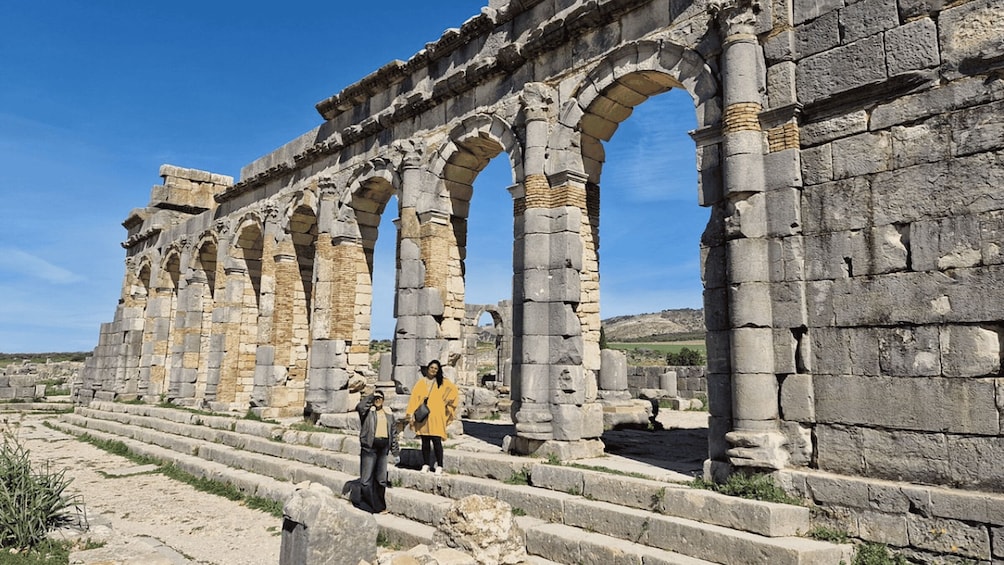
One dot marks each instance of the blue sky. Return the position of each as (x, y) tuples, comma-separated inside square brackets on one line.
[(95, 96)]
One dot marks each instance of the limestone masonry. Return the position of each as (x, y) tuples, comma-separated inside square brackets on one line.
[(850, 153)]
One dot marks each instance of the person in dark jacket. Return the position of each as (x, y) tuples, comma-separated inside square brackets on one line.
[(377, 439)]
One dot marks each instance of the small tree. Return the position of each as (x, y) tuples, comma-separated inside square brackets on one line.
[(603, 339), (686, 357)]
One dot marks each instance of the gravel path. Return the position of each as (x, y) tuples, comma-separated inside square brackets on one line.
[(146, 518)]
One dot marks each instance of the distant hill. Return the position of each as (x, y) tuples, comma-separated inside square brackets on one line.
[(668, 325)]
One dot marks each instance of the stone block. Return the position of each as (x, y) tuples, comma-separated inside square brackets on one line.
[(781, 84), (818, 35), (948, 536), (613, 370), (878, 527), (969, 36), (861, 154), (928, 142), (805, 10), (798, 401), (957, 94), (836, 206), (817, 164), (978, 129), (318, 528), (837, 127), (975, 462), (912, 403), (780, 47), (912, 46), (788, 307), (910, 352), (936, 190), (969, 351), (838, 70), (867, 18)]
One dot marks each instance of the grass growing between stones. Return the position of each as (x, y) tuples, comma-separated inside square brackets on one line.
[(822, 533), (521, 477), (226, 490), (608, 470), (876, 554), (753, 487)]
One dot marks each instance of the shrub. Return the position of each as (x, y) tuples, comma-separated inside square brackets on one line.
[(686, 357), (31, 502)]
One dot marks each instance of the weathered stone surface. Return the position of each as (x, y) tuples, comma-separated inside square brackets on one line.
[(319, 529), (969, 36), (483, 527), (841, 69)]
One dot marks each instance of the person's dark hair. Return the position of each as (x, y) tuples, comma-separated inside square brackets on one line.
[(439, 373)]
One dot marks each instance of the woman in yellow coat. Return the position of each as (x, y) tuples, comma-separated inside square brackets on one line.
[(442, 402)]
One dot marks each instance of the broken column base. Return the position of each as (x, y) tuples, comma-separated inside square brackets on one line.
[(626, 413), (552, 448)]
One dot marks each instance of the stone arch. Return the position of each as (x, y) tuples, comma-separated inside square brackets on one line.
[(244, 282), (369, 191), (607, 96), (629, 76), (472, 144), (501, 315)]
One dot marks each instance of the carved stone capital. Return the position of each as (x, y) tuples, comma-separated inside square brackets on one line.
[(222, 227), (537, 99), (412, 152), (735, 17)]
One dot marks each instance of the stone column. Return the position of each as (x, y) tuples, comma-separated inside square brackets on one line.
[(341, 270), (755, 439), (423, 259), (187, 326), (553, 398)]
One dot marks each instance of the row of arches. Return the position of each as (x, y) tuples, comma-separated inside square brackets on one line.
[(270, 307)]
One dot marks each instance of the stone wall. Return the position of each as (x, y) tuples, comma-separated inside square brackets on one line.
[(691, 382)]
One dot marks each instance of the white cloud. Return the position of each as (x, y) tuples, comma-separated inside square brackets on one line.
[(19, 262)]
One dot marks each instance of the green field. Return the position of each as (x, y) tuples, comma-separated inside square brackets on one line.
[(663, 347)]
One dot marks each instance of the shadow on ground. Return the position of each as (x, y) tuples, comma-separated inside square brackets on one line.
[(682, 450)]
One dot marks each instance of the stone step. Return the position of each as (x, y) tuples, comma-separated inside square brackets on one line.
[(568, 544), (768, 519), (396, 529), (636, 510)]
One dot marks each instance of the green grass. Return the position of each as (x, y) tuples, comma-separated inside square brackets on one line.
[(876, 554), (753, 487), (218, 488), (831, 535), (607, 470), (521, 477)]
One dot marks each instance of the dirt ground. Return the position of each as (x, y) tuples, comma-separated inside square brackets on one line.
[(146, 518)]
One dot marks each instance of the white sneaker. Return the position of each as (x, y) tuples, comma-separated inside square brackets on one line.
[(439, 470), (425, 469)]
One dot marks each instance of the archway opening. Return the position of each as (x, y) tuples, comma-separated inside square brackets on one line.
[(647, 216)]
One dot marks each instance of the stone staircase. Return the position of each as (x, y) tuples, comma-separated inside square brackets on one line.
[(570, 515)]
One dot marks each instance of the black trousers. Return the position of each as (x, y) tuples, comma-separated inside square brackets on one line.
[(432, 446), (373, 476)]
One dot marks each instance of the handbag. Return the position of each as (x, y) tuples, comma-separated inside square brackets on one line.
[(422, 412)]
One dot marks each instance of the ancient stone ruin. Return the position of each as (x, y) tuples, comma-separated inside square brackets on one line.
[(849, 153)]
